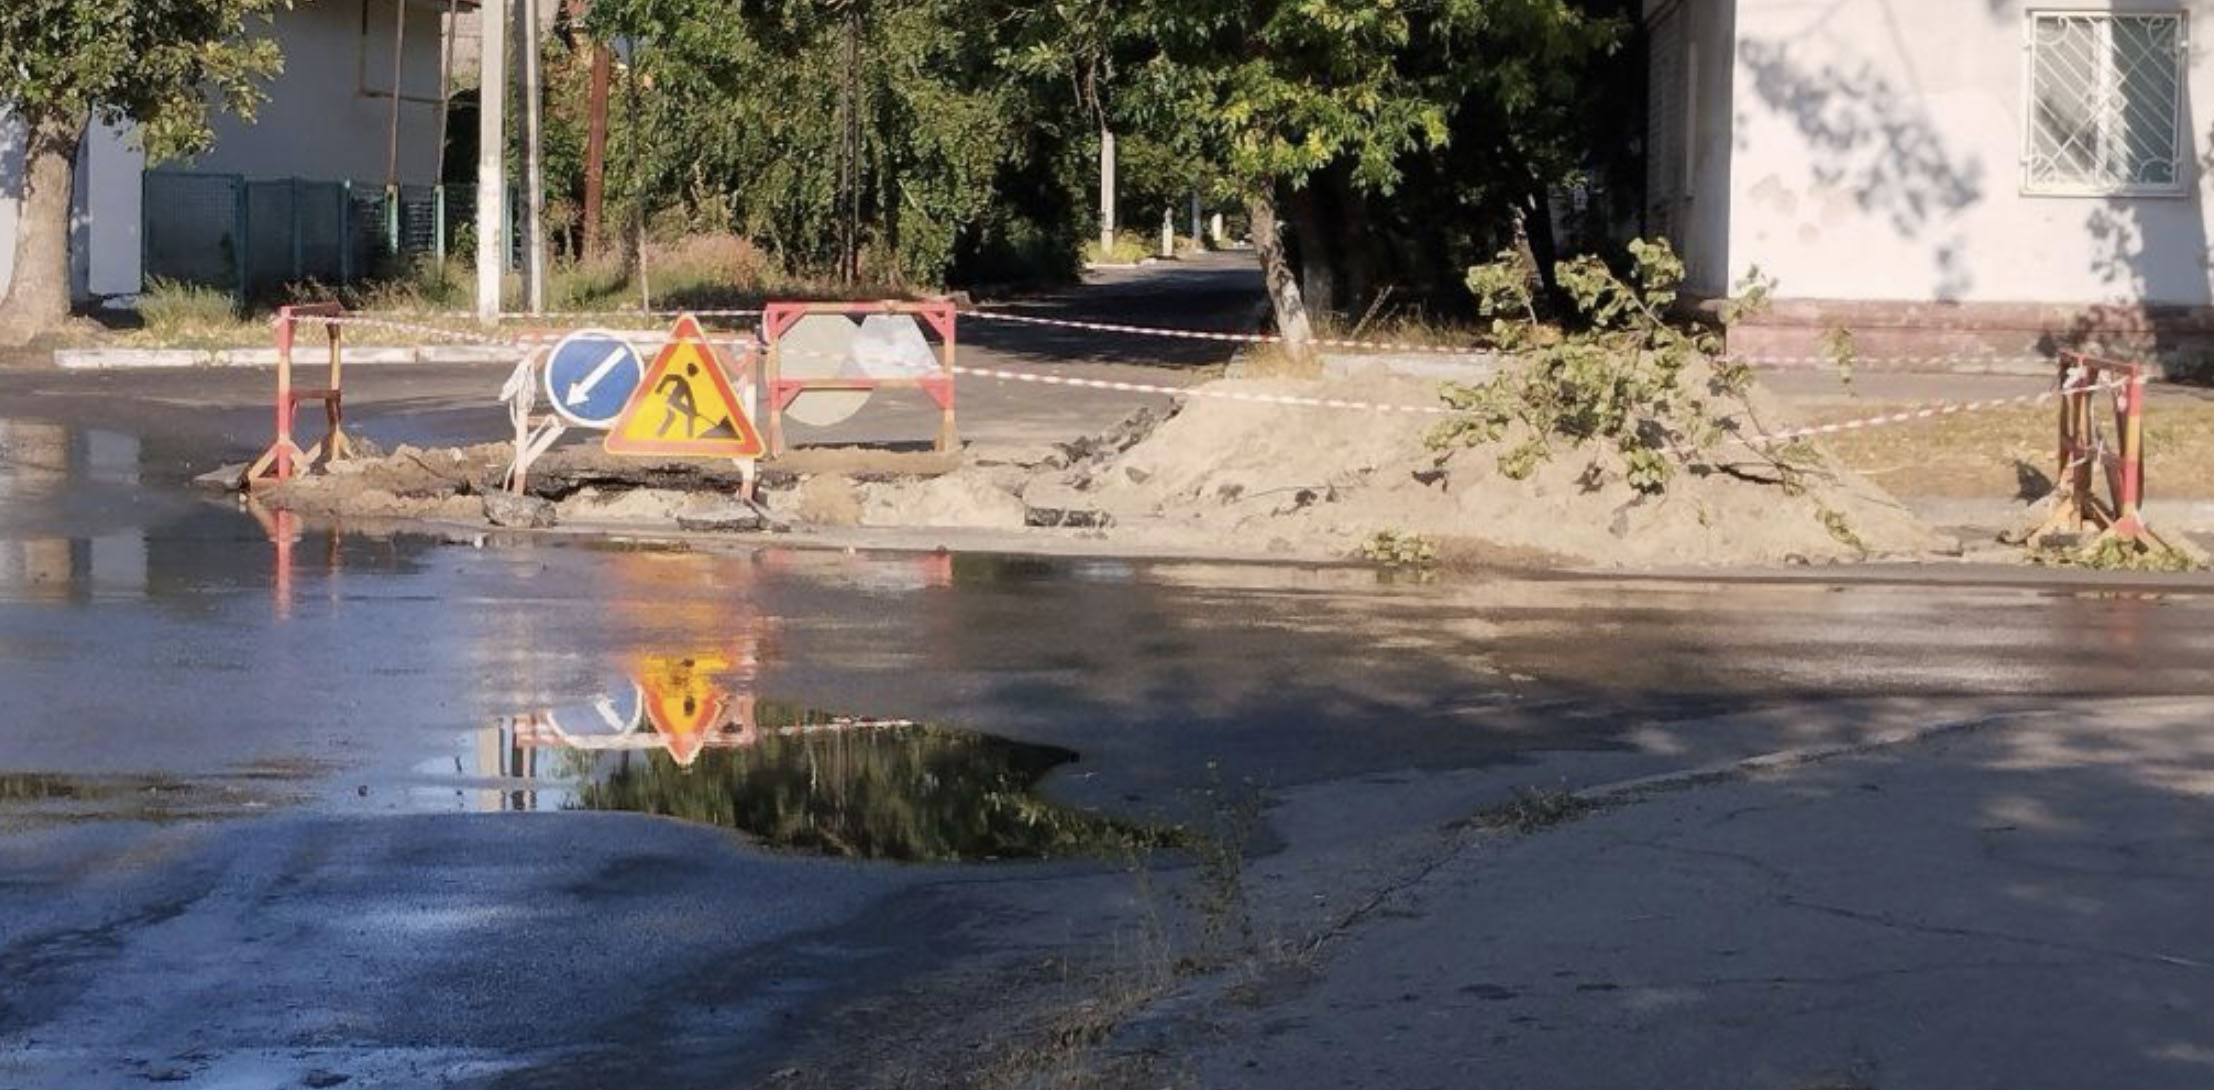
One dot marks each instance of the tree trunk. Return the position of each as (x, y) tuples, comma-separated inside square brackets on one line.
[(1283, 288), (1358, 258), (38, 295), (1310, 230), (1545, 250)]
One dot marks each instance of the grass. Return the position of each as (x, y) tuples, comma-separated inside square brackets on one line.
[(1534, 809), (1130, 247), (192, 316), (2009, 453)]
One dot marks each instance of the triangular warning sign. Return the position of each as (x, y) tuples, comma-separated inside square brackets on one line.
[(682, 703), (685, 405)]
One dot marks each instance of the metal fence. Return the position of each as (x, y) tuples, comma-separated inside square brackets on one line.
[(255, 238)]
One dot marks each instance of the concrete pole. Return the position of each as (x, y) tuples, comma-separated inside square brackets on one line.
[(1106, 191), (1168, 233), (491, 142), (1197, 238), (534, 181)]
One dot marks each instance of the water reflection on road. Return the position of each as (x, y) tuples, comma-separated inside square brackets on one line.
[(689, 742)]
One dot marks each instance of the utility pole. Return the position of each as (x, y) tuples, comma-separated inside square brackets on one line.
[(534, 181), (491, 144), (595, 146), (1106, 190)]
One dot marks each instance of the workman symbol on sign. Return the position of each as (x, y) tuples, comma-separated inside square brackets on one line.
[(685, 406), (678, 403), (676, 393)]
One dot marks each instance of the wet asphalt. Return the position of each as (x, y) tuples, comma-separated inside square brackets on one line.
[(281, 803)]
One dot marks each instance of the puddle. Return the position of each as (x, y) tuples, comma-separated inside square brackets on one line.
[(680, 745)]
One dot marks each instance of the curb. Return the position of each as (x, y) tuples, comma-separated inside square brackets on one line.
[(142, 359)]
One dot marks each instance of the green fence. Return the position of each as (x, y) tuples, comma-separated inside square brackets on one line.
[(257, 237)]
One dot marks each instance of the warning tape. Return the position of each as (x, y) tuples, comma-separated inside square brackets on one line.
[(1885, 363), (488, 340), (1231, 338), (1927, 412), (1932, 412)]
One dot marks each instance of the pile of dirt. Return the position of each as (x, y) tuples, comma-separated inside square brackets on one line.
[(1307, 481), (1218, 475)]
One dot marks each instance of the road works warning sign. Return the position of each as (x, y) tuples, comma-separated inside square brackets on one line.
[(685, 405), (682, 701)]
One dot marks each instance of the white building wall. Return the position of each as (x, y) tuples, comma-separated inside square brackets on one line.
[(328, 116), (1878, 149), (105, 214), (11, 194)]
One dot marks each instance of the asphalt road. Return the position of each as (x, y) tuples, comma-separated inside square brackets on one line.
[(276, 810)]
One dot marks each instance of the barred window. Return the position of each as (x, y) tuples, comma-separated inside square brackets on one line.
[(2105, 96)]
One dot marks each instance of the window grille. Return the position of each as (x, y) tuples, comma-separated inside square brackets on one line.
[(2105, 95)]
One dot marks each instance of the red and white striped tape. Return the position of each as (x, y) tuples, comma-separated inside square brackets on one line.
[(1927, 412), (1230, 338), (1932, 412)]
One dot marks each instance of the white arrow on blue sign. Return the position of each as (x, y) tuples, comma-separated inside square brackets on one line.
[(590, 375)]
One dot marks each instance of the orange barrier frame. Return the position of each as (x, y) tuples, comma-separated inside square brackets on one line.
[(285, 455), (777, 319), (2084, 458)]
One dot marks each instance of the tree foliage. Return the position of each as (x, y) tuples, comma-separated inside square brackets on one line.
[(1627, 378), (1409, 135), (752, 102), (156, 63)]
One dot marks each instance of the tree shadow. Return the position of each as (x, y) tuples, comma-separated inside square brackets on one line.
[(1868, 140)]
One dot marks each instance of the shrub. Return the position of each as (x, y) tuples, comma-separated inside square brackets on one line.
[(173, 310)]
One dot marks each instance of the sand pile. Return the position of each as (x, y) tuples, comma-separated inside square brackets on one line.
[(1307, 481)]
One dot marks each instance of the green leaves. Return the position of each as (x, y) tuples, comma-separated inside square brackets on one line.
[(1618, 381), (157, 63)]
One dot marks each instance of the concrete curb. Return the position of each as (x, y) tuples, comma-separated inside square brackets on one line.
[(137, 359)]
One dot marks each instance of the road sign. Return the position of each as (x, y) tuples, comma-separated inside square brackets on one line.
[(685, 405), (682, 701), (821, 346), (590, 376)]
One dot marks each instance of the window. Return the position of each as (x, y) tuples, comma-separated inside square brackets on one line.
[(2105, 95)]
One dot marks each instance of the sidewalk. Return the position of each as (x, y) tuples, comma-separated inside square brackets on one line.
[(2021, 906)]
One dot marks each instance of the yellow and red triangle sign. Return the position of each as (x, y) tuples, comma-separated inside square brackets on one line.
[(682, 702), (685, 405)]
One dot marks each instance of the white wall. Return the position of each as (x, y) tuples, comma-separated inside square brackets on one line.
[(328, 116), (105, 214), (1877, 156), (11, 194)]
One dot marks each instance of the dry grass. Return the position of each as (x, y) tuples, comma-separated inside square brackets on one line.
[(2009, 453)]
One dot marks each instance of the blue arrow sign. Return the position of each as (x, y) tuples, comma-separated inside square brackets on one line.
[(590, 376)]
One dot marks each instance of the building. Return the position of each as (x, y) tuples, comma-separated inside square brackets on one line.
[(1948, 178), (347, 149)]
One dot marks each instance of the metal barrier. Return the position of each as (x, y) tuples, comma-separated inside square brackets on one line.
[(2086, 457), (777, 320), (285, 454)]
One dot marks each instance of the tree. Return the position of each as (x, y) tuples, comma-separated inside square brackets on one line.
[(876, 137), (153, 63), (1275, 94)]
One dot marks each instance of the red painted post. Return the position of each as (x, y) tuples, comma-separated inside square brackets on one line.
[(2133, 448), (284, 445)]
